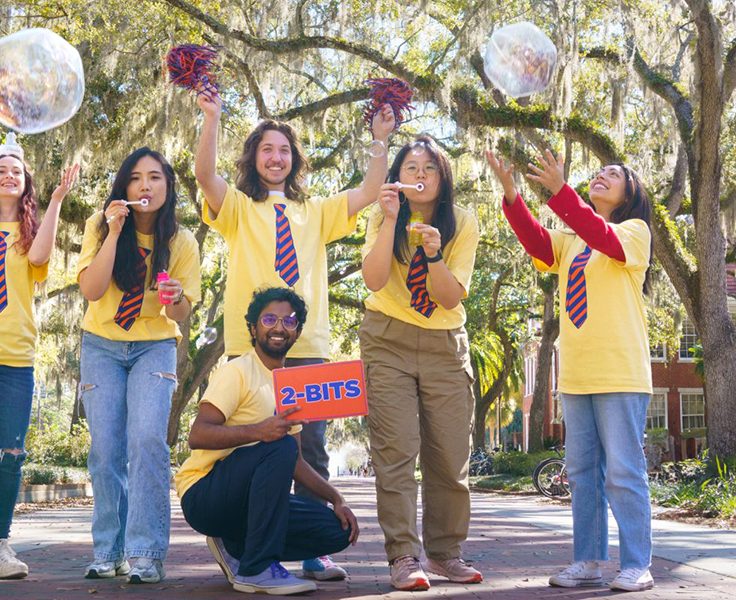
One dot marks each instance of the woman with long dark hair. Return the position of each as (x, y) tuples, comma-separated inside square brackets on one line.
[(140, 272), (25, 249), (415, 349), (605, 372)]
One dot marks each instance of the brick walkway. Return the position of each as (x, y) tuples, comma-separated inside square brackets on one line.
[(511, 541)]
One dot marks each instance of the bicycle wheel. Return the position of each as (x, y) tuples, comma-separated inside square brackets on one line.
[(550, 478)]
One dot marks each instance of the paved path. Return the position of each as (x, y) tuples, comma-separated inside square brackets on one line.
[(516, 541)]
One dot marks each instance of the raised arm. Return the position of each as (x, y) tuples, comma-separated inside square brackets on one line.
[(382, 125), (96, 278), (535, 238), (43, 243), (377, 263), (591, 227), (205, 162)]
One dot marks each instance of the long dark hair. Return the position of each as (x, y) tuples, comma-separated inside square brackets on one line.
[(247, 179), (127, 257), (635, 206), (27, 210), (444, 215)]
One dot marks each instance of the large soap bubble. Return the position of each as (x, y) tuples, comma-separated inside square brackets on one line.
[(41, 80), (520, 59)]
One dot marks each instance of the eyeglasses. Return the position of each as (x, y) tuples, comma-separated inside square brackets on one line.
[(289, 322), (412, 168)]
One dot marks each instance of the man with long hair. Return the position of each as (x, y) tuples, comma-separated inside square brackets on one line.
[(278, 237)]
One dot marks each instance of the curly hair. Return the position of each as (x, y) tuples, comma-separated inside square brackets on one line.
[(247, 179), (262, 298), (27, 211)]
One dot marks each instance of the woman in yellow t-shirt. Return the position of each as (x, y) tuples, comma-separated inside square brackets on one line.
[(415, 349), (128, 362), (605, 378), (25, 249)]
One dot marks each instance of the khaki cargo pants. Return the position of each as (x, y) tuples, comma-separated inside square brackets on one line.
[(420, 402)]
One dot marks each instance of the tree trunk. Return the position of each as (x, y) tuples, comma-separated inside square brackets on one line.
[(545, 355)]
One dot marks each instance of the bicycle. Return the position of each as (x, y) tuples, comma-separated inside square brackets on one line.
[(550, 477)]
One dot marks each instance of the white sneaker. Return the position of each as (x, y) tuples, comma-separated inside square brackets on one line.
[(10, 566), (146, 570), (102, 569), (579, 574), (633, 580)]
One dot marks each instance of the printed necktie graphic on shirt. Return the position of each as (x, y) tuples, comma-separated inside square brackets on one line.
[(130, 306), (416, 281), (286, 263), (3, 283), (576, 301)]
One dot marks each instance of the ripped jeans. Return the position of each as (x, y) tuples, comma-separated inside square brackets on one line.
[(16, 399), (126, 388)]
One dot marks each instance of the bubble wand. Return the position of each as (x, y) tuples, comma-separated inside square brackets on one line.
[(143, 202), (419, 187)]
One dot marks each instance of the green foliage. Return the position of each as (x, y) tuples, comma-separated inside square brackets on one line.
[(54, 445), (518, 463), (38, 474)]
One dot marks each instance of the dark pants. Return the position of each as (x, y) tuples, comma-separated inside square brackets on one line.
[(313, 439), (16, 400), (245, 500)]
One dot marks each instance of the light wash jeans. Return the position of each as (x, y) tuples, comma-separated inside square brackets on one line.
[(606, 465), (126, 388)]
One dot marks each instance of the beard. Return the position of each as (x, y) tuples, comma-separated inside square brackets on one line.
[(273, 352)]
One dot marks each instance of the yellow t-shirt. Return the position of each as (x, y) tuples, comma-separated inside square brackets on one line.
[(17, 327), (152, 323), (610, 351), (242, 390), (394, 298), (249, 229)]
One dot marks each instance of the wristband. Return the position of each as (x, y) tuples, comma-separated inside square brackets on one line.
[(179, 298), (436, 258)]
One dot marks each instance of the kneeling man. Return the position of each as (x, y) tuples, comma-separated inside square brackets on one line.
[(235, 487)]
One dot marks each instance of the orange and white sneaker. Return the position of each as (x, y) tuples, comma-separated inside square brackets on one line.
[(407, 574), (455, 569)]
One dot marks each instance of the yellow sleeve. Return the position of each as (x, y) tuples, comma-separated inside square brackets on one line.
[(185, 265), (226, 221), (559, 240), (39, 273), (225, 389), (635, 239), (375, 216), (462, 258), (335, 223), (90, 243)]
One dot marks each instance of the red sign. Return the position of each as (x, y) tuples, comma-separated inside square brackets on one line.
[(325, 391)]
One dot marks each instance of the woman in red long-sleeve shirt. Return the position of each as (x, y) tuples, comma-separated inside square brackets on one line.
[(605, 376)]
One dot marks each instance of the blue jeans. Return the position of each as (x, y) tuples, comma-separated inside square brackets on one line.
[(126, 388), (245, 500), (16, 400), (606, 465)]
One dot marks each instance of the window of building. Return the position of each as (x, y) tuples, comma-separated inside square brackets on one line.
[(657, 410), (658, 352), (692, 409), (688, 339)]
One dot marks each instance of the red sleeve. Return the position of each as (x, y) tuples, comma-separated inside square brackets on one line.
[(535, 238), (584, 221)]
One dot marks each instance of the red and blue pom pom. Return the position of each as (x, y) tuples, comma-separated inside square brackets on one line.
[(394, 92), (190, 66)]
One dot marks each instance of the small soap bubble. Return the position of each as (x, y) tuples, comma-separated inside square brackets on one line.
[(41, 80), (376, 149), (208, 336), (520, 59), (418, 147)]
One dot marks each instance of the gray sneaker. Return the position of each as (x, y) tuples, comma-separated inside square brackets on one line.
[(228, 563), (102, 569), (146, 570)]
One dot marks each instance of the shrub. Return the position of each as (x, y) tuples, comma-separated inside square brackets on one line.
[(48, 474), (54, 445), (518, 463)]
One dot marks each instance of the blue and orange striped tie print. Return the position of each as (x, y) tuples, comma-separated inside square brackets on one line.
[(3, 282), (416, 281), (286, 264), (130, 306), (576, 300)]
